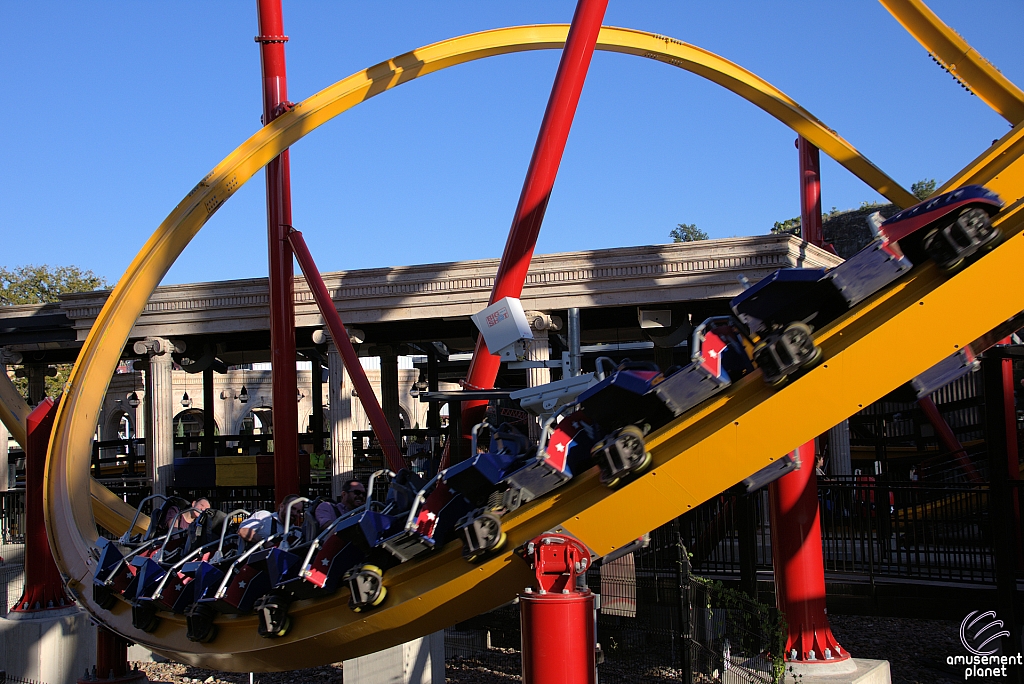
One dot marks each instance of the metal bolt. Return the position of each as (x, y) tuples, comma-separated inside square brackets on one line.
[(527, 590), (565, 591), (542, 591), (810, 655), (828, 654), (792, 654)]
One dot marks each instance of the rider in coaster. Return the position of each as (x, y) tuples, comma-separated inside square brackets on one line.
[(353, 495), (263, 524)]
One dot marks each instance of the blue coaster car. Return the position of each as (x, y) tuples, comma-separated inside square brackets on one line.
[(632, 400), (783, 310), (115, 575), (161, 584), (406, 528), (511, 473), (949, 228)]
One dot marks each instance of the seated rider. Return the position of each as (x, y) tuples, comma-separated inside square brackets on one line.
[(263, 524), (353, 495)]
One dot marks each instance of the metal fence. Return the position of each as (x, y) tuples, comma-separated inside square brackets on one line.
[(12, 522), (869, 527), (730, 637)]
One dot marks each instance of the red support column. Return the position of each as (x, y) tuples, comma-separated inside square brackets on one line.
[(556, 617), (540, 178), (799, 566), (810, 192), (336, 327), (796, 525), (44, 588), (279, 219), (112, 661)]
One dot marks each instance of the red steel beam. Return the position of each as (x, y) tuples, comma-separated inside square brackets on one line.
[(279, 217), (540, 178), (348, 353), (44, 589), (796, 527), (810, 192)]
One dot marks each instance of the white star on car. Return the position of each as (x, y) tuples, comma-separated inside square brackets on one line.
[(560, 447), (241, 585), (325, 562)]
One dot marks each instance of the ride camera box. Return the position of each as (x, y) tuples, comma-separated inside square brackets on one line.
[(195, 472), (504, 327)]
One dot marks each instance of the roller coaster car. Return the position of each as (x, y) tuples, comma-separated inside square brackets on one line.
[(649, 399), (783, 309), (115, 573), (403, 531), (949, 228), (331, 555), (225, 584), (511, 473), (162, 581)]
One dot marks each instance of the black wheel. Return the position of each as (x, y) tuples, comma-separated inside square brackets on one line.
[(630, 441), (103, 597), (799, 342), (366, 584), (285, 626)]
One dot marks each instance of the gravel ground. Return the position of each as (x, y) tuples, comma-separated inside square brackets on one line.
[(916, 651)]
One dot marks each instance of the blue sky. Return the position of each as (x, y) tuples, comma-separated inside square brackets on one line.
[(115, 109)]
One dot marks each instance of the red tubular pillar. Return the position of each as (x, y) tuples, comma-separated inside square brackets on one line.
[(367, 398), (112, 661), (540, 178), (799, 566), (556, 617), (795, 519), (810, 192), (44, 588), (1012, 449), (279, 218)]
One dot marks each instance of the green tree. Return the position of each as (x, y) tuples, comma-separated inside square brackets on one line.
[(787, 227), (687, 232), (922, 189), (39, 284)]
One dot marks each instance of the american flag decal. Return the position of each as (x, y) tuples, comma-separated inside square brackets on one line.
[(497, 317)]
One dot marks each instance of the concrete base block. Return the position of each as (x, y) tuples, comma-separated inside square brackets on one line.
[(415, 662), (141, 654), (55, 646), (864, 672)]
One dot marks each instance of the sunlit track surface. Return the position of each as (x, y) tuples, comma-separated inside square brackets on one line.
[(889, 339)]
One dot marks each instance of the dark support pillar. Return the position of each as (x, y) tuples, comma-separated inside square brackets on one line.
[(389, 390), (746, 528), (209, 426), (1000, 434), (664, 357), (434, 412), (318, 407), (455, 444)]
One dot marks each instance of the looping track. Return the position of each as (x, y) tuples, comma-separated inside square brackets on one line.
[(698, 455)]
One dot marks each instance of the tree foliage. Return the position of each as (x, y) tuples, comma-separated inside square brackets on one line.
[(787, 227), (922, 189), (39, 284), (687, 232)]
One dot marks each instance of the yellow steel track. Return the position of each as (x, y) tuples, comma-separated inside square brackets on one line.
[(892, 337)]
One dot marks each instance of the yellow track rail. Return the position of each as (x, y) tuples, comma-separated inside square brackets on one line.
[(957, 57), (694, 458)]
